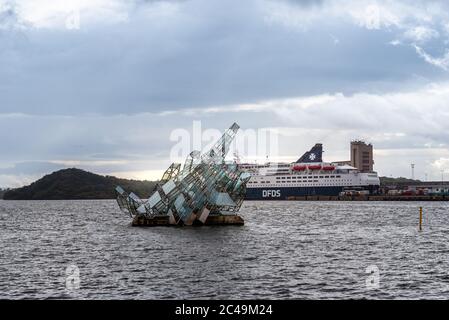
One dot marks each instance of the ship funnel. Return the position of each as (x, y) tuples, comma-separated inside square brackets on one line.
[(314, 155)]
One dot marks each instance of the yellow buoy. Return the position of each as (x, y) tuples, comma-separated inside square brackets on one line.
[(420, 218)]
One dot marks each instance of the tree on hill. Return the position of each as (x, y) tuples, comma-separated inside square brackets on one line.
[(2, 192), (386, 181), (77, 184)]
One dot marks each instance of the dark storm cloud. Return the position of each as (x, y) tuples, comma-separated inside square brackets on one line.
[(202, 54)]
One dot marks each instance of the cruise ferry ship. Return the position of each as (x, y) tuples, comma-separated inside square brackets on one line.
[(307, 176)]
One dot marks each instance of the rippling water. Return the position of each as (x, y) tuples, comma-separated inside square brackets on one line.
[(286, 250)]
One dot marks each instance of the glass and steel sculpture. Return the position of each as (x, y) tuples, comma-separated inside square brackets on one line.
[(206, 186)]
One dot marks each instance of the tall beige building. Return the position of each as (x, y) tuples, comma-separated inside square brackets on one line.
[(362, 156)]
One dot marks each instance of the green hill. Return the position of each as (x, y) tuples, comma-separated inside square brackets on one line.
[(74, 183), (387, 181)]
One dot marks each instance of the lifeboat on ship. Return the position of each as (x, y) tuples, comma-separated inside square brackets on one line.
[(315, 167), (329, 168), (299, 168)]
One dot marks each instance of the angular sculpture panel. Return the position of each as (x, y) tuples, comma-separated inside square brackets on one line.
[(207, 190)]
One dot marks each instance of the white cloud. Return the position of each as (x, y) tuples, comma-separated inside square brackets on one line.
[(151, 175), (59, 14), (373, 16), (421, 34), (277, 104), (90, 163), (405, 127), (294, 17), (395, 42), (442, 62), (382, 117), (441, 164), (17, 180), (409, 22), (368, 14)]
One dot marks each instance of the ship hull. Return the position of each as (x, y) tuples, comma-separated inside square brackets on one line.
[(284, 193)]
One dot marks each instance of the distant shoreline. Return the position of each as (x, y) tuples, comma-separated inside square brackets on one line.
[(364, 198), (77, 184), (304, 199)]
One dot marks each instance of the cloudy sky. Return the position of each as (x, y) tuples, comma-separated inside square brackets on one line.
[(103, 84)]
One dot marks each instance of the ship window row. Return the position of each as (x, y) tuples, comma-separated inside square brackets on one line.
[(323, 185), (313, 177), (305, 180), (327, 183), (306, 176)]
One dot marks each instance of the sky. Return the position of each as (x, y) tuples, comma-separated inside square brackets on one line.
[(112, 86)]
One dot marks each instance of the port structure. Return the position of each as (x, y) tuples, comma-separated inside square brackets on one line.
[(206, 190)]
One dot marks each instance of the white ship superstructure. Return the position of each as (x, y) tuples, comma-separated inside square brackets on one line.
[(308, 176)]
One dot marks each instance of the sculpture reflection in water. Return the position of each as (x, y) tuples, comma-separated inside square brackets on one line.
[(206, 190)]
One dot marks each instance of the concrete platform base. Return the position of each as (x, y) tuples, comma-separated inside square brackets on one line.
[(212, 220)]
